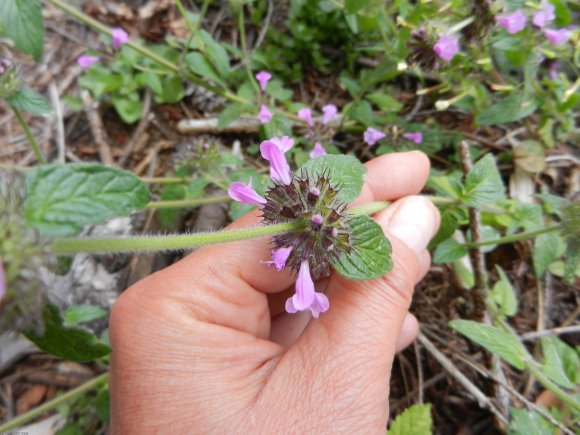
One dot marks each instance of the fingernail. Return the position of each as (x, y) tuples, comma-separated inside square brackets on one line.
[(414, 222)]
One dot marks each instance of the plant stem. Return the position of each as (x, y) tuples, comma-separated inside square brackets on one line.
[(242, 30), (369, 208), (28, 134), (187, 202), (515, 237), (36, 412), (547, 382), (89, 21), (165, 180)]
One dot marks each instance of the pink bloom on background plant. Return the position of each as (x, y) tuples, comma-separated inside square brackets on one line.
[(317, 151), (264, 116), (279, 168), (446, 47), (279, 257), (241, 192), (512, 23), (371, 136), (330, 112), (284, 143), (553, 71), (120, 37), (306, 115), (306, 298), (547, 14), (414, 137), (85, 61), (2, 281), (263, 77), (557, 36)]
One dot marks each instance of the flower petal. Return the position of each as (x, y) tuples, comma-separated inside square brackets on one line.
[(244, 193), (279, 257), (319, 305), (279, 168), (304, 295)]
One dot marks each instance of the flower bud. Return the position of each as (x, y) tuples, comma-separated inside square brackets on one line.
[(10, 82)]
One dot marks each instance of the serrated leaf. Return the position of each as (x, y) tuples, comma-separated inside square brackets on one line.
[(62, 199), (510, 109), (346, 171), (497, 341), (30, 101), (22, 21), (370, 256), (483, 184), (67, 342), (554, 363), (415, 420), (503, 294), (449, 251), (201, 66), (83, 313)]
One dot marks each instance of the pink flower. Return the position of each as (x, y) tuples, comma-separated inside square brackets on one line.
[(372, 136), (330, 112), (279, 257), (306, 115), (85, 61), (284, 143), (414, 137), (512, 23), (244, 193), (557, 36), (263, 77), (2, 281), (306, 298), (317, 151), (446, 47), (547, 14), (279, 168), (265, 115), (120, 37)]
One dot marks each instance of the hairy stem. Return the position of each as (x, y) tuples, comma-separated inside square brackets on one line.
[(516, 237), (28, 134), (178, 203), (551, 386)]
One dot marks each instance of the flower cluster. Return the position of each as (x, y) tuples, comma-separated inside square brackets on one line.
[(321, 233), (119, 37), (319, 130)]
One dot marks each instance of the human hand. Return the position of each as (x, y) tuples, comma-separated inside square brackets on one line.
[(205, 346)]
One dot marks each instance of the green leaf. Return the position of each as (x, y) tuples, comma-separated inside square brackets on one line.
[(527, 422), (216, 53), (201, 66), (554, 363), (22, 21), (62, 199), (503, 294), (103, 405), (449, 251), (547, 248), (370, 256), (168, 216), (345, 171), (510, 109), (83, 313), (497, 341), (229, 115), (563, 15), (385, 102), (353, 6), (483, 184), (129, 109), (415, 420), (31, 101), (449, 224), (67, 342)]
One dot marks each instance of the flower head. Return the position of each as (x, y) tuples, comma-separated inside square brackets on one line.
[(513, 23), (306, 298), (263, 77), (557, 36), (446, 47), (265, 115), (306, 115), (279, 168), (544, 16), (120, 37), (86, 61), (244, 193), (329, 112), (372, 136), (421, 49), (416, 137), (317, 151)]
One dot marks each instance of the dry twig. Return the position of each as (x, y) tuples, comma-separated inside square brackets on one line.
[(97, 129)]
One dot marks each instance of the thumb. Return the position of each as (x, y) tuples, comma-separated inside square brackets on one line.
[(347, 353)]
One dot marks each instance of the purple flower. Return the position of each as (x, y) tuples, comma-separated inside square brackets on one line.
[(553, 71), (120, 37), (330, 112), (414, 137), (241, 192), (284, 143), (306, 115), (512, 23), (557, 36), (263, 77), (446, 47), (279, 257), (85, 61), (372, 136), (306, 298), (317, 151), (279, 169), (547, 14), (265, 115), (2, 281)]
